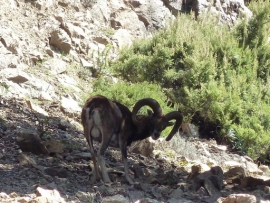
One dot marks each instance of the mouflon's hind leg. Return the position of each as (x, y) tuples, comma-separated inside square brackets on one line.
[(95, 171), (93, 175), (103, 147), (131, 182), (88, 125), (123, 149), (102, 164)]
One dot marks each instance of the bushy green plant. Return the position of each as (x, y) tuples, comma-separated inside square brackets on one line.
[(254, 37), (217, 77)]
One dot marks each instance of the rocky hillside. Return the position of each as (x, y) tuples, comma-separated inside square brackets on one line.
[(47, 47), (46, 159), (50, 52)]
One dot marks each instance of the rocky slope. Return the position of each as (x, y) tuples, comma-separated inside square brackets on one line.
[(50, 52), (46, 159), (43, 43)]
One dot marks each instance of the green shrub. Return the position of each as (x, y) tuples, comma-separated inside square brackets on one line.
[(254, 37), (217, 77)]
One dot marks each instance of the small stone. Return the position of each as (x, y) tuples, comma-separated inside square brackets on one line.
[(57, 171), (13, 195), (238, 198), (177, 193), (63, 124), (54, 146), (115, 199), (50, 195)]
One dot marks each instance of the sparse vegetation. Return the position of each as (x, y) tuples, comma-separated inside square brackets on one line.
[(108, 31), (100, 60), (2, 120)]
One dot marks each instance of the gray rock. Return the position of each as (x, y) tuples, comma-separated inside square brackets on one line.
[(68, 82), (86, 63), (36, 108), (190, 130), (115, 199), (61, 40), (264, 168), (211, 180), (29, 85), (15, 75), (145, 187), (63, 124), (59, 17), (177, 6), (238, 198), (182, 200), (56, 171), (29, 141), (70, 106), (54, 146), (234, 174), (138, 172), (252, 168), (10, 40), (83, 155), (152, 13), (9, 60), (104, 190), (122, 20), (73, 31), (44, 96), (135, 195), (24, 159), (176, 193), (49, 195), (101, 40), (42, 5), (149, 200), (252, 182), (36, 56), (64, 3), (122, 38), (101, 12), (56, 65)]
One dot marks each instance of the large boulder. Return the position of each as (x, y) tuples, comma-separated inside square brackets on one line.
[(29, 141)]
